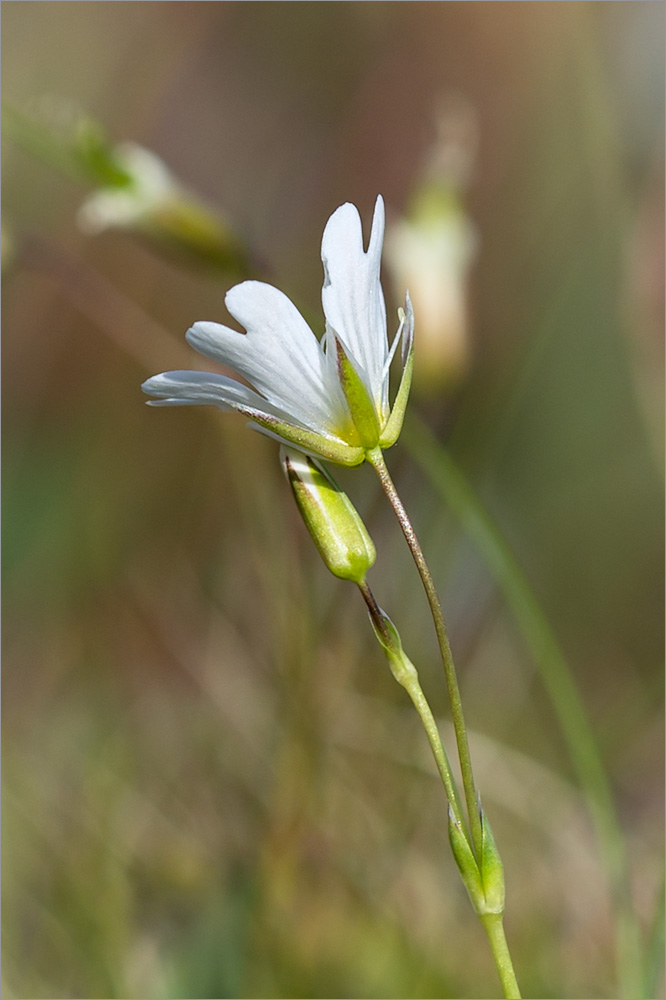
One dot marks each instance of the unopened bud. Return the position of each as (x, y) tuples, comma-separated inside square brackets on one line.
[(330, 517)]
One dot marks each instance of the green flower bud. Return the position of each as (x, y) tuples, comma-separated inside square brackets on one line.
[(330, 517)]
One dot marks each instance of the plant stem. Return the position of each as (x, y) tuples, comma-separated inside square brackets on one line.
[(405, 673), (421, 705), (557, 677), (494, 928), (376, 459)]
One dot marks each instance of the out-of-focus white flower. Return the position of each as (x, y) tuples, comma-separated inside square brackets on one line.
[(331, 398), (142, 196), (430, 253), (431, 249), (149, 185)]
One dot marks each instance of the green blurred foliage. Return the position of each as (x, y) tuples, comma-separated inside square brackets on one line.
[(212, 785)]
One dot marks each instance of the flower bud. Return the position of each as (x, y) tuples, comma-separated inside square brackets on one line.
[(330, 517)]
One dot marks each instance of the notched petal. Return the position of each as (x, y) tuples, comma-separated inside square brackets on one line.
[(352, 296)]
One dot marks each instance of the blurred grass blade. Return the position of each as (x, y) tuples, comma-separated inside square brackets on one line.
[(654, 952), (450, 482)]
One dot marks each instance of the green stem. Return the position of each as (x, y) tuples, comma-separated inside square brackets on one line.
[(376, 459), (421, 705), (415, 692), (477, 886), (494, 928), (558, 680)]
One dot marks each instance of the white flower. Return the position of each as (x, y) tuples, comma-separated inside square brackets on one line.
[(432, 253), (150, 185), (330, 398)]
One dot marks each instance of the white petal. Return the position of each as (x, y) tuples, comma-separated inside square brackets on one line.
[(185, 387), (279, 355), (352, 295)]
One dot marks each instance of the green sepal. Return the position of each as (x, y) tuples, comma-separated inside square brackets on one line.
[(361, 407), (329, 515), (308, 441), (393, 426), (492, 870)]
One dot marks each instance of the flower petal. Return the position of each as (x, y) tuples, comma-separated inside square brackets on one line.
[(185, 387), (279, 355), (352, 295)]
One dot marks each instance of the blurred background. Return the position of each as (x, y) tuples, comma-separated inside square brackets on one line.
[(212, 785)]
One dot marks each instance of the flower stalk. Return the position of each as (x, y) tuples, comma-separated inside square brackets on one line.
[(493, 925), (376, 459), (481, 870), (405, 673)]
